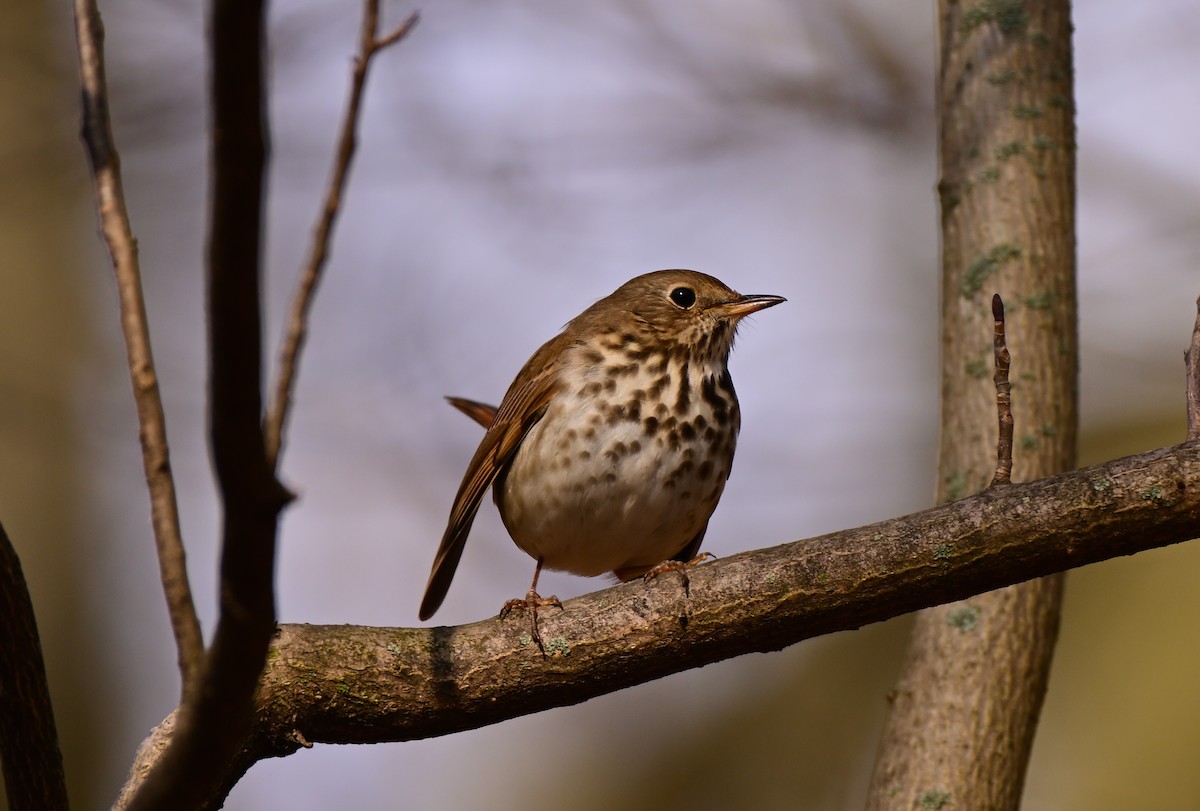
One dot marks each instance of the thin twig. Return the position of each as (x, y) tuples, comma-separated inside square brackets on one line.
[(297, 329), (29, 752), (1192, 359), (114, 222), (1004, 439)]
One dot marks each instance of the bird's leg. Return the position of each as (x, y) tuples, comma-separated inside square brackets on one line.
[(680, 566), (533, 601)]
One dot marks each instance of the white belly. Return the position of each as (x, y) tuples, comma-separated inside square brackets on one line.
[(593, 489)]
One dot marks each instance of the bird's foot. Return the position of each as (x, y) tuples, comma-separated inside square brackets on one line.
[(680, 566), (532, 602)]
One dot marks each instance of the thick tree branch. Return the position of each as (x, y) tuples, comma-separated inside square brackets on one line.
[(29, 753), (370, 43), (214, 720), (441, 680), (156, 460), (350, 684)]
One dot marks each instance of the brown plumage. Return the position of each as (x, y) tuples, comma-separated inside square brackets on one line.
[(611, 447)]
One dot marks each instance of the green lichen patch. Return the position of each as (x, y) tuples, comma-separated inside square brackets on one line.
[(1044, 143), (956, 486), (1009, 150), (1009, 16), (933, 798), (985, 265), (558, 646), (977, 368), (964, 617), (1043, 300)]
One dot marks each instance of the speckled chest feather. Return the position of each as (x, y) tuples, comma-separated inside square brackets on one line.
[(628, 463)]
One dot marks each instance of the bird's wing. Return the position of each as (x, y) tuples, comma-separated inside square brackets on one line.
[(519, 411)]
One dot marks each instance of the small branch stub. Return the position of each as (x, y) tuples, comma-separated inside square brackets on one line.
[(1192, 360), (1004, 438)]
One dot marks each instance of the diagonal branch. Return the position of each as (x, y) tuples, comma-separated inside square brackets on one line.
[(348, 684), (29, 753), (402, 684), (114, 223), (297, 331)]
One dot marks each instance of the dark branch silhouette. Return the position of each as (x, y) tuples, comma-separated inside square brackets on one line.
[(29, 753), (215, 718)]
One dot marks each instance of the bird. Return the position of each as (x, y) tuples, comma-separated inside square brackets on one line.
[(611, 448)]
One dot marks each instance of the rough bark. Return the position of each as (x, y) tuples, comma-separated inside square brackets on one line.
[(350, 684)]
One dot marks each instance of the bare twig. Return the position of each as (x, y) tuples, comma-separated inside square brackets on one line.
[(1192, 359), (29, 753), (297, 328), (114, 222), (349, 684), (1004, 436)]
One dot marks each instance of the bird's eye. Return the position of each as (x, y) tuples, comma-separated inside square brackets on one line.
[(683, 297)]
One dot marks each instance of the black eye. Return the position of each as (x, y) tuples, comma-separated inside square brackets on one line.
[(684, 297)]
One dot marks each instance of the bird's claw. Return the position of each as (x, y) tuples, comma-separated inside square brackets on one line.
[(532, 602)]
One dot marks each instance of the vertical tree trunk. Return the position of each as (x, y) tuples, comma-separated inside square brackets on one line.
[(966, 706)]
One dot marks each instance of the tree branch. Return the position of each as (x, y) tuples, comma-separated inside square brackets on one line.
[(350, 684), (29, 753), (156, 460), (369, 45), (212, 722)]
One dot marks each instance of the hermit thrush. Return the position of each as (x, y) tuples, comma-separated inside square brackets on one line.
[(611, 448)]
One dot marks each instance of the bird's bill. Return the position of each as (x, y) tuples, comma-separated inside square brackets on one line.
[(744, 305)]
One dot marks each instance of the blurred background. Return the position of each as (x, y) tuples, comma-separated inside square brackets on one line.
[(517, 162)]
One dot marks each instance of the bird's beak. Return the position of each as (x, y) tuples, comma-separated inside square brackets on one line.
[(744, 305)]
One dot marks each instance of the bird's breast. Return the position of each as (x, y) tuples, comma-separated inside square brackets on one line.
[(625, 467)]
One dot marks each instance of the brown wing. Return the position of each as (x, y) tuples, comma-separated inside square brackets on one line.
[(519, 411)]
